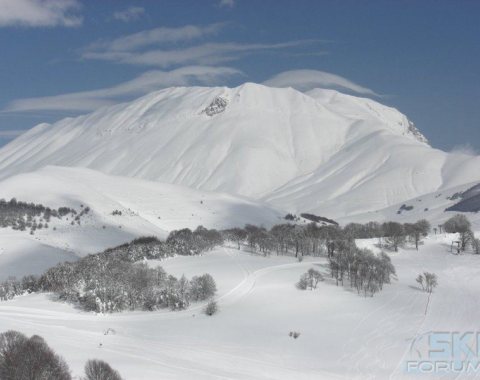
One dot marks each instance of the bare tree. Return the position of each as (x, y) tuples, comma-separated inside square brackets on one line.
[(461, 225), (417, 231), (99, 370), (421, 280), (428, 281), (27, 359), (394, 235)]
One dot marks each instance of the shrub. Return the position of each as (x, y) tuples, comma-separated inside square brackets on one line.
[(428, 281), (211, 308), (294, 334), (309, 279), (302, 284)]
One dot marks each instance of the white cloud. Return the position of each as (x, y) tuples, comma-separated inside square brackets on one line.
[(305, 80), (226, 3), (205, 54), (159, 47), (145, 83), (38, 13), (129, 14), (157, 36), (9, 133)]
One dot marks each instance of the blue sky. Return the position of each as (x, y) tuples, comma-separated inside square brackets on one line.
[(66, 57)]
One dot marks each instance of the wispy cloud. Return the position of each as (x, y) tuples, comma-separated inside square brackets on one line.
[(145, 83), (129, 14), (160, 47), (152, 37), (226, 3), (305, 80), (40, 13), (203, 54)]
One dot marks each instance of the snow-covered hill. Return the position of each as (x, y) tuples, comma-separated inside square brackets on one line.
[(322, 152), (147, 208)]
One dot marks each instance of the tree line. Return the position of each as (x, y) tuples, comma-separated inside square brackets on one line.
[(314, 239)]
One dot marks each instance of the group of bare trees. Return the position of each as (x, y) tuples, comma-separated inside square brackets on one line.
[(351, 266), (284, 239), (23, 358), (314, 239), (360, 268)]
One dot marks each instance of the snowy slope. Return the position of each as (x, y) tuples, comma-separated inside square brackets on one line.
[(432, 206), (322, 152), (148, 208), (343, 335)]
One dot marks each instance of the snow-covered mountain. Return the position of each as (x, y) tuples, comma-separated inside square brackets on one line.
[(322, 152)]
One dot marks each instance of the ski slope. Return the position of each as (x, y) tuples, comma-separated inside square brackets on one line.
[(323, 152), (343, 335)]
